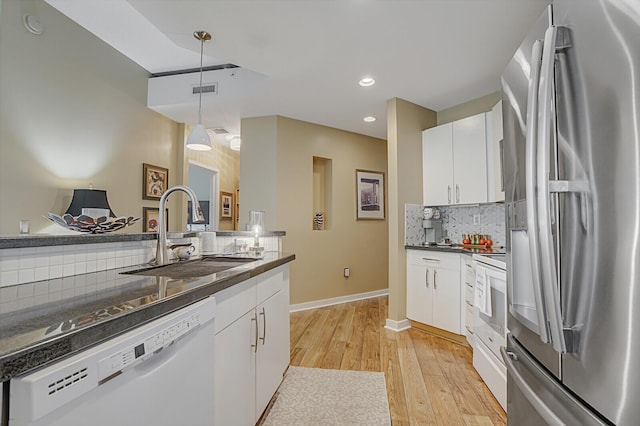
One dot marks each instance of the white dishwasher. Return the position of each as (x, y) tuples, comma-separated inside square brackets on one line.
[(161, 373)]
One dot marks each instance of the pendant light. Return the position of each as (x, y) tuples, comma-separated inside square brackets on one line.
[(198, 139)]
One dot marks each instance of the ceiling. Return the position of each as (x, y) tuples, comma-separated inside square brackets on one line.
[(310, 54)]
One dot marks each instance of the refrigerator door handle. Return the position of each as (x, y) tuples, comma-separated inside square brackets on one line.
[(538, 404), (547, 256), (530, 181)]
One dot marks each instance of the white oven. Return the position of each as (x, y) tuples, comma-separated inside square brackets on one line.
[(490, 301)]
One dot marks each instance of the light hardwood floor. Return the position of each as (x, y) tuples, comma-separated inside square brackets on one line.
[(430, 380)]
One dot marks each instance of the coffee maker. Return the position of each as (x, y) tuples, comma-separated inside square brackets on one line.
[(432, 230)]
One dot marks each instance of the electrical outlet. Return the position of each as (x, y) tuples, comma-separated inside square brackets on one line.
[(476, 219), (346, 272)]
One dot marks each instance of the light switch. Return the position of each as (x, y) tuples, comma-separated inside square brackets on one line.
[(346, 272)]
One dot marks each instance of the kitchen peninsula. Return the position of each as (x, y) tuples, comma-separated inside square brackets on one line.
[(91, 307)]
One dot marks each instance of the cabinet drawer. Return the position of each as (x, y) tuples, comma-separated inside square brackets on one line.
[(234, 302), (468, 294), (434, 259), (269, 283)]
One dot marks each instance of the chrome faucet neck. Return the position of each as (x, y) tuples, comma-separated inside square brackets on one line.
[(161, 250)]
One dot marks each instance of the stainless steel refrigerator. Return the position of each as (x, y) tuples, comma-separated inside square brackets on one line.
[(571, 164)]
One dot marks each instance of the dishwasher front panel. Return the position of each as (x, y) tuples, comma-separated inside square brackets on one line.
[(161, 373)]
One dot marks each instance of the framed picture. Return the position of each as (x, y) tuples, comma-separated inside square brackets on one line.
[(155, 181), (226, 205), (369, 194), (150, 216)]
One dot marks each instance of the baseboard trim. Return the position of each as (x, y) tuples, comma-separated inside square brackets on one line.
[(397, 325), (337, 300), (452, 337)]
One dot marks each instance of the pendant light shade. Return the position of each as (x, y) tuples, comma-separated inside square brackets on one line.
[(198, 139)]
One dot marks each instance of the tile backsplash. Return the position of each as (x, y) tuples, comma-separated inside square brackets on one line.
[(457, 221), (38, 275)]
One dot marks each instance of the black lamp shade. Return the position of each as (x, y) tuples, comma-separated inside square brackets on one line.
[(88, 199)]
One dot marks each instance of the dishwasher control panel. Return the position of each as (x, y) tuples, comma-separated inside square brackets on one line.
[(115, 363)]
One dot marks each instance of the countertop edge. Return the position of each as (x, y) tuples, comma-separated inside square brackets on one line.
[(46, 352)]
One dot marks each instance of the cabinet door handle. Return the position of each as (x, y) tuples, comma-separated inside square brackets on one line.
[(467, 302), (426, 277), (457, 194), (264, 326), (435, 276), (449, 194), (255, 344), (430, 259)]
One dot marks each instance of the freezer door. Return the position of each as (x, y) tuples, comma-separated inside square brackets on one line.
[(598, 125), (535, 398)]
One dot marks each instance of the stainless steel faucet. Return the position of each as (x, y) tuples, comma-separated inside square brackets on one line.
[(196, 215)]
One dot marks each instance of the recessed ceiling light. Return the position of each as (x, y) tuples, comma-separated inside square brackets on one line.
[(369, 119), (367, 81)]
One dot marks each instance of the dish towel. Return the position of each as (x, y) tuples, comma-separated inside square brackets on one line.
[(482, 292)]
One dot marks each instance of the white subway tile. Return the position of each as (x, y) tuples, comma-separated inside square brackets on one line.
[(92, 266), (8, 278), (101, 265), (41, 274), (55, 285), (40, 288), (68, 282), (69, 293), (8, 293), (56, 258), (68, 270), (27, 262), (26, 276), (81, 257), (10, 263), (101, 254), (55, 271), (42, 260), (69, 258), (111, 263), (25, 290), (81, 268), (41, 299), (55, 296)]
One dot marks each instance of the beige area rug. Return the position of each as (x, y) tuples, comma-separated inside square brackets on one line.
[(315, 396)]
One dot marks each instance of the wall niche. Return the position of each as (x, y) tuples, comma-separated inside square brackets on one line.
[(321, 220)]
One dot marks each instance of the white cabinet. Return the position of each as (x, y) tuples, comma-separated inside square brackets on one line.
[(251, 346), (433, 289), (454, 164), (494, 154)]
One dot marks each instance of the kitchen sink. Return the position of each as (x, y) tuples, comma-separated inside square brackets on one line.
[(193, 268)]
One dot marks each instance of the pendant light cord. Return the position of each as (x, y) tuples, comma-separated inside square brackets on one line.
[(200, 97)]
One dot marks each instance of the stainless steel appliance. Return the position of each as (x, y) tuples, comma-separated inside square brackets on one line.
[(432, 230), (571, 100)]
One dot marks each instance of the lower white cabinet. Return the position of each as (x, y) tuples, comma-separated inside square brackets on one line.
[(433, 289), (251, 346)]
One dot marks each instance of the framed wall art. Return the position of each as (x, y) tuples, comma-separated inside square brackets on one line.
[(155, 181), (226, 205), (369, 194), (150, 217)]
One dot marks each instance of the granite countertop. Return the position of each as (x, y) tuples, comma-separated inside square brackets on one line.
[(455, 248), (36, 336)]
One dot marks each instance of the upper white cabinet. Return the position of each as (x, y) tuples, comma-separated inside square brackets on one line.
[(454, 162), (494, 154)]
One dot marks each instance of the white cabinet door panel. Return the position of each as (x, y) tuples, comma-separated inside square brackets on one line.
[(446, 296), (437, 165), (419, 295), (470, 160)]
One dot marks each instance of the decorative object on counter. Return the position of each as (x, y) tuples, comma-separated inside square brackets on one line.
[(369, 194), (151, 219), (226, 205), (198, 139), (183, 251), (256, 225), (155, 180), (89, 212), (318, 221)]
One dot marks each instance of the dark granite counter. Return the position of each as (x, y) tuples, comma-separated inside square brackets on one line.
[(36, 336), (455, 249), (41, 240), (249, 234)]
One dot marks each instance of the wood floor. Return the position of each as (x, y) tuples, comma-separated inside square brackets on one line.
[(430, 381)]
